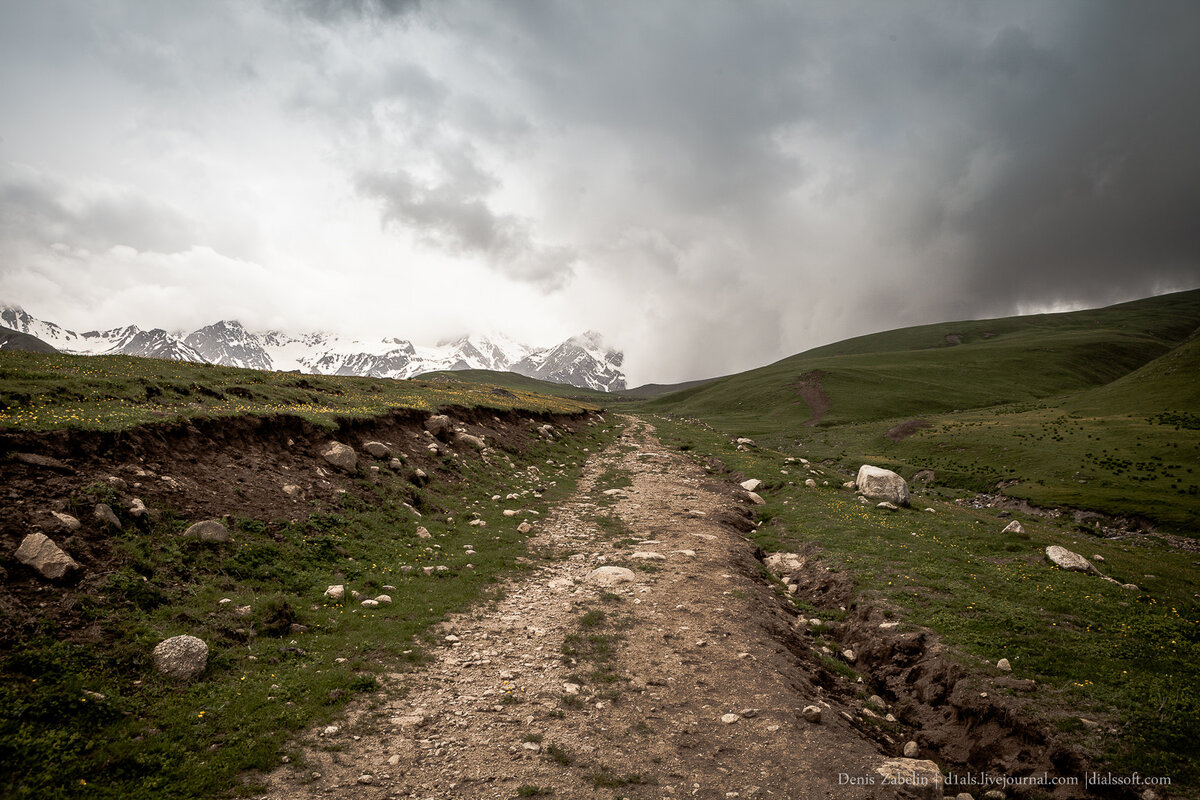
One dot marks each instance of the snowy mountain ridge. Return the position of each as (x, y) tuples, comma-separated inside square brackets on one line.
[(583, 360)]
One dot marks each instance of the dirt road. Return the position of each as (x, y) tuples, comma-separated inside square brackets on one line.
[(686, 682)]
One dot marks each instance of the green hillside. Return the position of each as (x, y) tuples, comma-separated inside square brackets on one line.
[(1094, 409)]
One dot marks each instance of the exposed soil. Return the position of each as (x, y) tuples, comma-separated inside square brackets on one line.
[(904, 430), (810, 391), (200, 469)]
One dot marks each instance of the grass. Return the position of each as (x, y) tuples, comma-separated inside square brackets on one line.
[(119, 730), (1096, 649), (54, 391)]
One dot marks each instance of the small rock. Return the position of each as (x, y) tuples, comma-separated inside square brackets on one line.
[(181, 657), (1066, 559), (532, 747), (35, 460), (210, 530), (911, 749), (850, 656), (292, 490), (756, 499), (645, 555), (1003, 664), (810, 483), (117, 483), (377, 449), (508, 512), (812, 714), (38, 551), (368, 603), (137, 509), (524, 527), (395, 463), (340, 455), (473, 441), (336, 592), (752, 484), (889, 506), (103, 513), (610, 576), (422, 533), (1098, 558), (439, 425), (1013, 527), (729, 719), (66, 521), (365, 779), (912, 779), (383, 598), (571, 688)]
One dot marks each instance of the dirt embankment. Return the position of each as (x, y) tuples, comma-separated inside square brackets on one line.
[(197, 469)]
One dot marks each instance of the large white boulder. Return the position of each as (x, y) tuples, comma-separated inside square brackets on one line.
[(340, 455), (1067, 559), (882, 484), (39, 552)]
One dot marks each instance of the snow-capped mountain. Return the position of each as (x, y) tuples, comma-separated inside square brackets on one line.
[(582, 361)]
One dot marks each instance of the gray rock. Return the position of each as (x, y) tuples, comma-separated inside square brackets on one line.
[(340, 455), (810, 483), (422, 533), (474, 441), (610, 576), (395, 463), (181, 657), (46, 462), (439, 425), (293, 491), (104, 513), (887, 506), (137, 509), (784, 565), (752, 484), (1066, 559), (910, 779), (524, 527), (729, 719), (210, 530), (39, 552), (911, 749), (812, 714), (882, 484), (376, 449), (756, 499), (646, 555), (336, 591), (66, 522), (117, 483), (1013, 527), (1003, 665)]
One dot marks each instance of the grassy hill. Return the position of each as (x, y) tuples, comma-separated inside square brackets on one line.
[(515, 382), (41, 391), (1092, 409)]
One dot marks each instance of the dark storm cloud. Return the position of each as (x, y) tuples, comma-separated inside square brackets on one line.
[(330, 11)]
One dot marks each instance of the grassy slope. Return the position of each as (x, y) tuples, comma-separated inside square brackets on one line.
[(1128, 658), (45, 392), (1068, 405), (515, 382)]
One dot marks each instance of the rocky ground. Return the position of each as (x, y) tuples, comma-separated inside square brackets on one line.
[(688, 680)]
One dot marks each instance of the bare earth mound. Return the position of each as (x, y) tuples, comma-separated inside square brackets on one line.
[(809, 389), (905, 429)]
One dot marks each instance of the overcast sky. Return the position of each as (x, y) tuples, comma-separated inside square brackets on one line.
[(711, 185)]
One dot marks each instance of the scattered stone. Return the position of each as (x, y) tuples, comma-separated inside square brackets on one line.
[(336, 592), (1098, 558), (756, 499), (39, 552), (509, 512), (532, 747), (384, 598), (882, 484), (911, 779), (377, 449), (911, 749), (366, 779), (742, 440), (474, 441), (752, 484), (117, 483), (292, 490), (46, 462), (812, 714), (729, 719), (810, 483), (1003, 665), (850, 656), (1066, 559), (104, 513), (888, 506), (137, 509), (66, 521), (610, 576), (1013, 527), (395, 463), (210, 530), (571, 688), (645, 555), (524, 527), (181, 657), (439, 426), (876, 701), (427, 570), (369, 603), (422, 533), (340, 455)]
